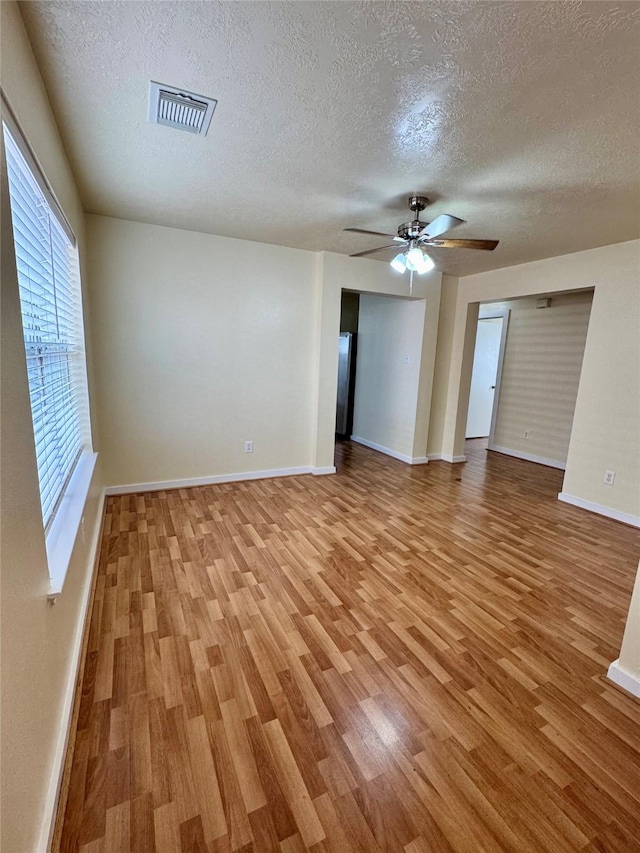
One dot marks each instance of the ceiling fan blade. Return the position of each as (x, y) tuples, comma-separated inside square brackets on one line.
[(373, 251), (375, 233), (440, 224), (488, 245)]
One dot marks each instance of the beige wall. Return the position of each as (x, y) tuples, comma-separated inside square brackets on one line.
[(39, 642), (386, 397), (446, 322), (606, 423), (541, 373), (203, 342)]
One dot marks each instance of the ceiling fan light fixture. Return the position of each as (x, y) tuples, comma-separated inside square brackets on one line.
[(414, 259), (426, 264), (399, 263)]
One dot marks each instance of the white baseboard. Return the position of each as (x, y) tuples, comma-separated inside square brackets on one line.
[(623, 679), (51, 801), (529, 457), (446, 457), (214, 479), (624, 517), (320, 471), (402, 457)]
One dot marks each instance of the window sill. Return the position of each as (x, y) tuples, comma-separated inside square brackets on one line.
[(63, 533)]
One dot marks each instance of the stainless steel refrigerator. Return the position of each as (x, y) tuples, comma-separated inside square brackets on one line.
[(346, 383)]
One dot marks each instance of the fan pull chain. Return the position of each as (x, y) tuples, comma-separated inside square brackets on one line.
[(411, 283)]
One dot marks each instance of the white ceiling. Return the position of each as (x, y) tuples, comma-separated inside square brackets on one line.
[(520, 117)]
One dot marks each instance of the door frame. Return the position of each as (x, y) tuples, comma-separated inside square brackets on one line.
[(504, 314)]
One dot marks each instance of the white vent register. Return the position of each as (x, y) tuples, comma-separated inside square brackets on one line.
[(180, 109)]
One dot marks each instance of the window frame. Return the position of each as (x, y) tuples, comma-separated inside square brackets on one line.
[(66, 519)]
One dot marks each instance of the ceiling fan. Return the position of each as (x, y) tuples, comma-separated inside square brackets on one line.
[(416, 236)]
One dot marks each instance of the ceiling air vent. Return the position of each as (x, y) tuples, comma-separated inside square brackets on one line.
[(180, 109)]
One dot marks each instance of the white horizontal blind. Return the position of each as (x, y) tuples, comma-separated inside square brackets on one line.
[(52, 323)]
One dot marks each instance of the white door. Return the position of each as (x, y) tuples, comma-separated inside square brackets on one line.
[(483, 378)]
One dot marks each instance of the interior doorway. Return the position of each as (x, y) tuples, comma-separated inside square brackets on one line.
[(485, 378), (537, 375), (383, 404), (347, 350)]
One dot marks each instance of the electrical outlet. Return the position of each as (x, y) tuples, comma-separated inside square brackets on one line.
[(525, 434), (248, 447), (609, 478)]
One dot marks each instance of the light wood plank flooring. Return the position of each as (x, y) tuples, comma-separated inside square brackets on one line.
[(393, 658)]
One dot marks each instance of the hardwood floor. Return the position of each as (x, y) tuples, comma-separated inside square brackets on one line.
[(393, 658)]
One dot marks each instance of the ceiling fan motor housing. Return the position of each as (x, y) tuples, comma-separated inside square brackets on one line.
[(411, 230)]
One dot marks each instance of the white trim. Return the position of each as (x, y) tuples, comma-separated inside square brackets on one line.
[(162, 485), (20, 139), (497, 314), (64, 723), (65, 527), (529, 457), (320, 471), (446, 457), (624, 679), (624, 517), (401, 457)]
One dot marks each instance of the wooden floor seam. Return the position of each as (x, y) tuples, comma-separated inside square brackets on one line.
[(392, 658)]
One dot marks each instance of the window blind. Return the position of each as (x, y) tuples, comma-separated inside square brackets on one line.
[(50, 302)]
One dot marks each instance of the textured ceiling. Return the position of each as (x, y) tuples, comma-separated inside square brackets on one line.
[(520, 117)]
